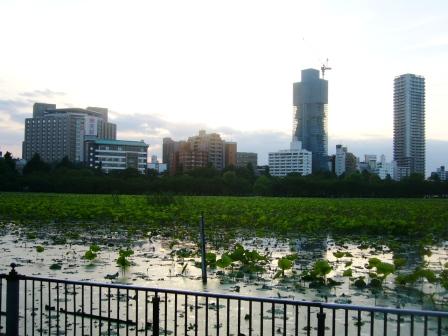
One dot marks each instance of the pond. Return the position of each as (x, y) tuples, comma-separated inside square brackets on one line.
[(351, 273)]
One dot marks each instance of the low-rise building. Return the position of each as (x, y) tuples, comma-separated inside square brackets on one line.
[(344, 161), (115, 155), (244, 158), (441, 173), (293, 160)]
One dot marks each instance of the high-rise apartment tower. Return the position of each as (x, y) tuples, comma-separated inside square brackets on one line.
[(310, 100), (409, 124)]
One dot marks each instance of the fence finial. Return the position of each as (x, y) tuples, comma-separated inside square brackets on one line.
[(13, 271)]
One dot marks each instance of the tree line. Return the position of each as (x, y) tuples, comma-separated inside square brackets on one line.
[(69, 177)]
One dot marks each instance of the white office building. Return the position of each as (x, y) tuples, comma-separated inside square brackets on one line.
[(293, 160), (116, 155), (339, 161)]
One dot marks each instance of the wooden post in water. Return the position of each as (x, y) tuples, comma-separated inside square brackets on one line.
[(203, 257)]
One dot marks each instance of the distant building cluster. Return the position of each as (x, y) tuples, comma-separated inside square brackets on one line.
[(199, 151), (440, 174), (81, 135), (86, 135), (310, 115)]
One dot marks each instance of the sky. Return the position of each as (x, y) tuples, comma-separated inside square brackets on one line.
[(168, 68)]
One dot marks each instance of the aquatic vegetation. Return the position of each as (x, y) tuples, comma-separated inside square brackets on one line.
[(402, 217), (348, 272), (122, 260), (399, 262), (360, 283), (55, 267)]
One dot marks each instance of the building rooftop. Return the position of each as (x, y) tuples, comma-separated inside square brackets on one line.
[(120, 142)]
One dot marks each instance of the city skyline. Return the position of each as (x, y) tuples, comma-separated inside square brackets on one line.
[(234, 79)]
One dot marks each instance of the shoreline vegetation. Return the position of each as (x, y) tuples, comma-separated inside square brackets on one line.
[(68, 177)]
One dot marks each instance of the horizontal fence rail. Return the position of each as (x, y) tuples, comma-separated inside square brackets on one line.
[(44, 306)]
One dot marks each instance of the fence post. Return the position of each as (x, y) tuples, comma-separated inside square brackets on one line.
[(155, 315), (12, 302), (321, 322)]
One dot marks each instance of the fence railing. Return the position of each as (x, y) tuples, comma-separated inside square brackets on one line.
[(32, 305)]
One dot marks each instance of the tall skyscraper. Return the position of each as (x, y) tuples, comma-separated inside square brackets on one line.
[(310, 100), (409, 124)]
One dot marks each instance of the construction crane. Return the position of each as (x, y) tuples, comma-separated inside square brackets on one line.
[(324, 68)]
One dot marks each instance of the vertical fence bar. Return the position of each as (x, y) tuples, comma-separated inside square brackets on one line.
[(239, 317), (333, 323), (196, 315), (297, 321), (41, 311), (250, 318), (74, 310), (127, 312), (99, 309), (108, 310), (82, 310), (358, 322), (217, 316), (65, 307), (425, 326), (1, 302), (12, 302), (346, 322), (175, 314), (308, 321), (136, 312), (155, 315), (185, 315), (25, 304), (91, 309), (206, 315), (321, 322), (284, 319), (57, 307), (49, 307), (146, 314), (228, 317), (165, 328)]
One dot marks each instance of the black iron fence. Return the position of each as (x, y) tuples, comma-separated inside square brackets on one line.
[(43, 306)]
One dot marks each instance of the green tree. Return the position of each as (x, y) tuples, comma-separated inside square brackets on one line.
[(263, 186), (36, 165)]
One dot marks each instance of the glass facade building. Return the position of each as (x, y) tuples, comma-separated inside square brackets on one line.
[(310, 114)]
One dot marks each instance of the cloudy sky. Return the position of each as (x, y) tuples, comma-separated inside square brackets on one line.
[(168, 68)]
